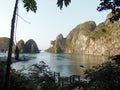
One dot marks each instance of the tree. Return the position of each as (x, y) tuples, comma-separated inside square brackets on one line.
[(40, 73), (104, 77), (8, 68), (17, 53), (113, 5), (28, 5)]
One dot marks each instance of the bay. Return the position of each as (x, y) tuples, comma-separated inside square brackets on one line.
[(66, 64)]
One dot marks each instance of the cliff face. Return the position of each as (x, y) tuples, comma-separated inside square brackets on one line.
[(58, 45), (29, 47), (76, 41), (87, 38), (21, 46)]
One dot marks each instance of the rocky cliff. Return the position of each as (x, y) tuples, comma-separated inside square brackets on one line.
[(57, 45), (21, 46), (29, 47), (87, 38)]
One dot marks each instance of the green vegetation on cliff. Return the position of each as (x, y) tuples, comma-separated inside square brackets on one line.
[(99, 32), (29, 47), (58, 45), (87, 38), (84, 28)]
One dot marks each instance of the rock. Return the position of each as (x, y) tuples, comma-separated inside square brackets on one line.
[(59, 44), (87, 38), (21, 46), (31, 47)]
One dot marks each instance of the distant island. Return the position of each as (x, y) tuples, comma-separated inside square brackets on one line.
[(28, 47), (89, 38)]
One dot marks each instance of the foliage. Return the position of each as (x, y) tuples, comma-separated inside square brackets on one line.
[(104, 77), (2, 74), (30, 5), (18, 80), (60, 3), (41, 74), (84, 28), (113, 5), (115, 58), (100, 31)]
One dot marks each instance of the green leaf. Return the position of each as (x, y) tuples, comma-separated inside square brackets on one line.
[(60, 3), (30, 5)]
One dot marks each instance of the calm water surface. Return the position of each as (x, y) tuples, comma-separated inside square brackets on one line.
[(66, 64)]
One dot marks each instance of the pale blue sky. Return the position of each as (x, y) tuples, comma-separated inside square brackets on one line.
[(49, 20)]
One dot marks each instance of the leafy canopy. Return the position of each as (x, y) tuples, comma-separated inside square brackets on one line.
[(61, 2), (32, 5), (113, 5), (104, 77)]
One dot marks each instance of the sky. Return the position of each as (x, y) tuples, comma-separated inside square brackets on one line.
[(49, 21)]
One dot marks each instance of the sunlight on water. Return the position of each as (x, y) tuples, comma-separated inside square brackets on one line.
[(66, 64)]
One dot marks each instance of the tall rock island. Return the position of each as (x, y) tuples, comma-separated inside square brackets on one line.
[(29, 47), (89, 38)]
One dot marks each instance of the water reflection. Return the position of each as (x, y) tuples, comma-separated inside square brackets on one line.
[(83, 62), (66, 64)]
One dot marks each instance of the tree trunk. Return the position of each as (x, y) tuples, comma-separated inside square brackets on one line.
[(8, 68)]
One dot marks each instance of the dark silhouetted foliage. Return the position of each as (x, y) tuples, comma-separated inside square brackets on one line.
[(113, 5), (60, 3), (41, 74), (30, 5), (104, 77)]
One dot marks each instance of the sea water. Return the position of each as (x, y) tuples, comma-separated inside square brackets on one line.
[(66, 64)]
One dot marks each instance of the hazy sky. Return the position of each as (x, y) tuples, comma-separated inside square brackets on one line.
[(49, 20)]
